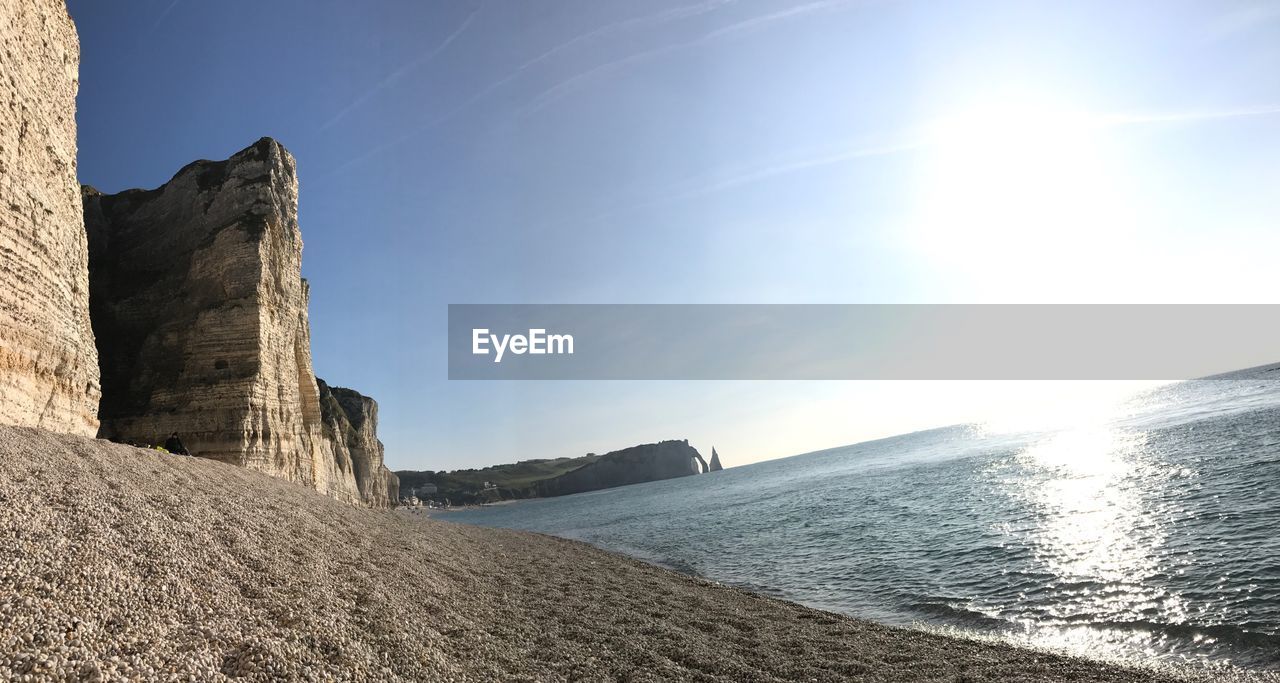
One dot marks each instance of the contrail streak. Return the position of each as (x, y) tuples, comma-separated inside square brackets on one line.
[(657, 19), (907, 144), (1188, 116), (581, 79), (164, 13), (571, 84), (914, 143), (400, 72), (767, 172), (747, 176)]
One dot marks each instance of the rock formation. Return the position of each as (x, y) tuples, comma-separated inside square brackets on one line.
[(48, 364), (351, 419), (715, 461), (200, 314), (635, 465), (701, 463)]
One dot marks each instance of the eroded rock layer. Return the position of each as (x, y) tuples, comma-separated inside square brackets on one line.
[(48, 364), (352, 421), (200, 313)]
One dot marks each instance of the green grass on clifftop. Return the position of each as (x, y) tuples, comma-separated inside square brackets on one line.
[(510, 481)]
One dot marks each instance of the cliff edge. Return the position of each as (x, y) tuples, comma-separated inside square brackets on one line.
[(48, 363), (352, 421), (200, 314)]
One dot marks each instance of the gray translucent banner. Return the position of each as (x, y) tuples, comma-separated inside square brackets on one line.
[(860, 341)]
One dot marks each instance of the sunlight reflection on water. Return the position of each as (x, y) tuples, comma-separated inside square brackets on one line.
[(1145, 536), (1099, 533)]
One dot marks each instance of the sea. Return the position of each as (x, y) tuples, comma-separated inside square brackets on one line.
[(1150, 536)]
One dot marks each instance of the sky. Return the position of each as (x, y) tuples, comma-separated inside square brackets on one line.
[(709, 151)]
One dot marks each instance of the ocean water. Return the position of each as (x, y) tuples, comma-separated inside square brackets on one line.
[(1151, 536)]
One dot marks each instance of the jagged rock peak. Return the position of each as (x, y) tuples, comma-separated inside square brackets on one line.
[(261, 178), (213, 174), (715, 461)]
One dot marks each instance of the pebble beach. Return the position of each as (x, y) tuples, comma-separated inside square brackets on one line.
[(118, 563)]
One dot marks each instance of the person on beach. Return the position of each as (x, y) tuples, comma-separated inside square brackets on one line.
[(174, 445)]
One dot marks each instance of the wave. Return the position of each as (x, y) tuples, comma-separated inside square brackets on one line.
[(1227, 634), (1251, 641), (959, 616)]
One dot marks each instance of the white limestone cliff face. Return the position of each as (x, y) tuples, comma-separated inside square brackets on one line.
[(200, 312), (352, 422), (634, 465), (48, 363)]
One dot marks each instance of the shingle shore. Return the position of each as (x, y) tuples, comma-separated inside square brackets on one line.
[(123, 564)]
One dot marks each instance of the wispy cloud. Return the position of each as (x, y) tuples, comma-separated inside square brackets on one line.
[(911, 142), (630, 24), (164, 13), (1242, 19), (795, 11), (1189, 116), (398, 73), (598, 72), (725, 179), (647, 21), (722, 179)]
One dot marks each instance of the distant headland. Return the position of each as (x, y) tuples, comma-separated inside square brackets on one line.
[(554, 477)]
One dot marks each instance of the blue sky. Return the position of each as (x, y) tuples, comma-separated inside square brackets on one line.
[(706, 151)]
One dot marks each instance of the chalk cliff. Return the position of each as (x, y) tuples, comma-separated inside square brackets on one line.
[(200, 314), (635, 465), (715, 461), (352, 421), (48, 364)]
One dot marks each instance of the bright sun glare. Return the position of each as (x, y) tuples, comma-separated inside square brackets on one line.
[(1019, 185)]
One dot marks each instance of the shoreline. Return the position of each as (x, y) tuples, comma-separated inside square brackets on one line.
[(130, 563), (1207, 671), (427, 511)]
